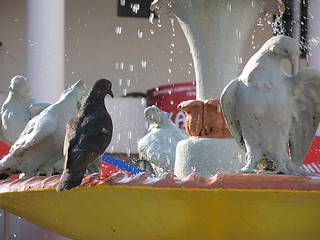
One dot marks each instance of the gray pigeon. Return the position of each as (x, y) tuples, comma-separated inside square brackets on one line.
[(273, 116), (17, 110), (40, 145), (88, 135)]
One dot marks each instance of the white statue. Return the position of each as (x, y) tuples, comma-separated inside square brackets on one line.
[(17, 110), (159, 145), (273, 116), (40, 145)]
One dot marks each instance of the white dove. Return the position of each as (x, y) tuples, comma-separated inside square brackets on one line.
[(159, 145), (40, 145), (17, 110), (273, 116)]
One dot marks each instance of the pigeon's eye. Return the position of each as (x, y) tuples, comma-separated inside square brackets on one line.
[(109, 85)]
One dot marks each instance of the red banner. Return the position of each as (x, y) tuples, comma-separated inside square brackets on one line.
[(168, 97)]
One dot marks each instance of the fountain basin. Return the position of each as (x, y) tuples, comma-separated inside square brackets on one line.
[(226, 206)]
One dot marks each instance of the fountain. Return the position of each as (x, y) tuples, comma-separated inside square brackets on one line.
[(216, 32), (223, 206)]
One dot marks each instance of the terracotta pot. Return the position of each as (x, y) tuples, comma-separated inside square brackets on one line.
[(204, 119)]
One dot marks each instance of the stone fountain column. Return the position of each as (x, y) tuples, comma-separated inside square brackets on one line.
[(217, 31)]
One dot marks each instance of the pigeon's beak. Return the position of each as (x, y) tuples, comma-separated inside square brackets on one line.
[(111, 94)]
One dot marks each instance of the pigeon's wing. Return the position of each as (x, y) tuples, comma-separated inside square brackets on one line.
[(306, 112), (37, 130), (70, 135), (228, 104), (37, 107), (90, 140)]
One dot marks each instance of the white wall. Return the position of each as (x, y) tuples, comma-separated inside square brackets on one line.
[(94, 49)]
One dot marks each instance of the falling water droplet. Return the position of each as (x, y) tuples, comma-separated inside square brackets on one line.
[(122, 2), (121, 65), (117, 65), (131, 68), (118, 30), (229, 7), (151, 18), (129, 134), (135, 7), (128, 152), (128, 82), (120, 81), (151, 32), (139, 33), (159, 22), (238, 33), (143, 63)]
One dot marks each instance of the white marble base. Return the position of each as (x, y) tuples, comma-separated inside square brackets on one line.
[(207, 156)]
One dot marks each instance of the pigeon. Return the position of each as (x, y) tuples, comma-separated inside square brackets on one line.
[(88, 135), (159, 145), (273, 116), (17, 110), (40, 144)]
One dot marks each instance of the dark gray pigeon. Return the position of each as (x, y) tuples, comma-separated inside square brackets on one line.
[(88, 134)]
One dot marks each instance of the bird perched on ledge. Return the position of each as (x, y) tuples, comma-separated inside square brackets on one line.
[(17, 110), (269, 112), (88, 134), (40, 144), (159, 145)]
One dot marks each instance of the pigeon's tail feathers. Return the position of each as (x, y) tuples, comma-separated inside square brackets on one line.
[(69, 180)]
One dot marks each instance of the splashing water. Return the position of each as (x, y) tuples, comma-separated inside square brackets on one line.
[(229, 7), (118, 30), (278, 26), (139, 33), (135, 7), (151, 18), (143, 63)]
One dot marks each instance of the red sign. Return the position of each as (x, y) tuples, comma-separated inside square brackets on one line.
[(4, 149), (311, 162), (168, 97)]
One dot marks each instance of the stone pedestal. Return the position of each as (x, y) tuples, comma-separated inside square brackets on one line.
[(208, 156), (210, 147)]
